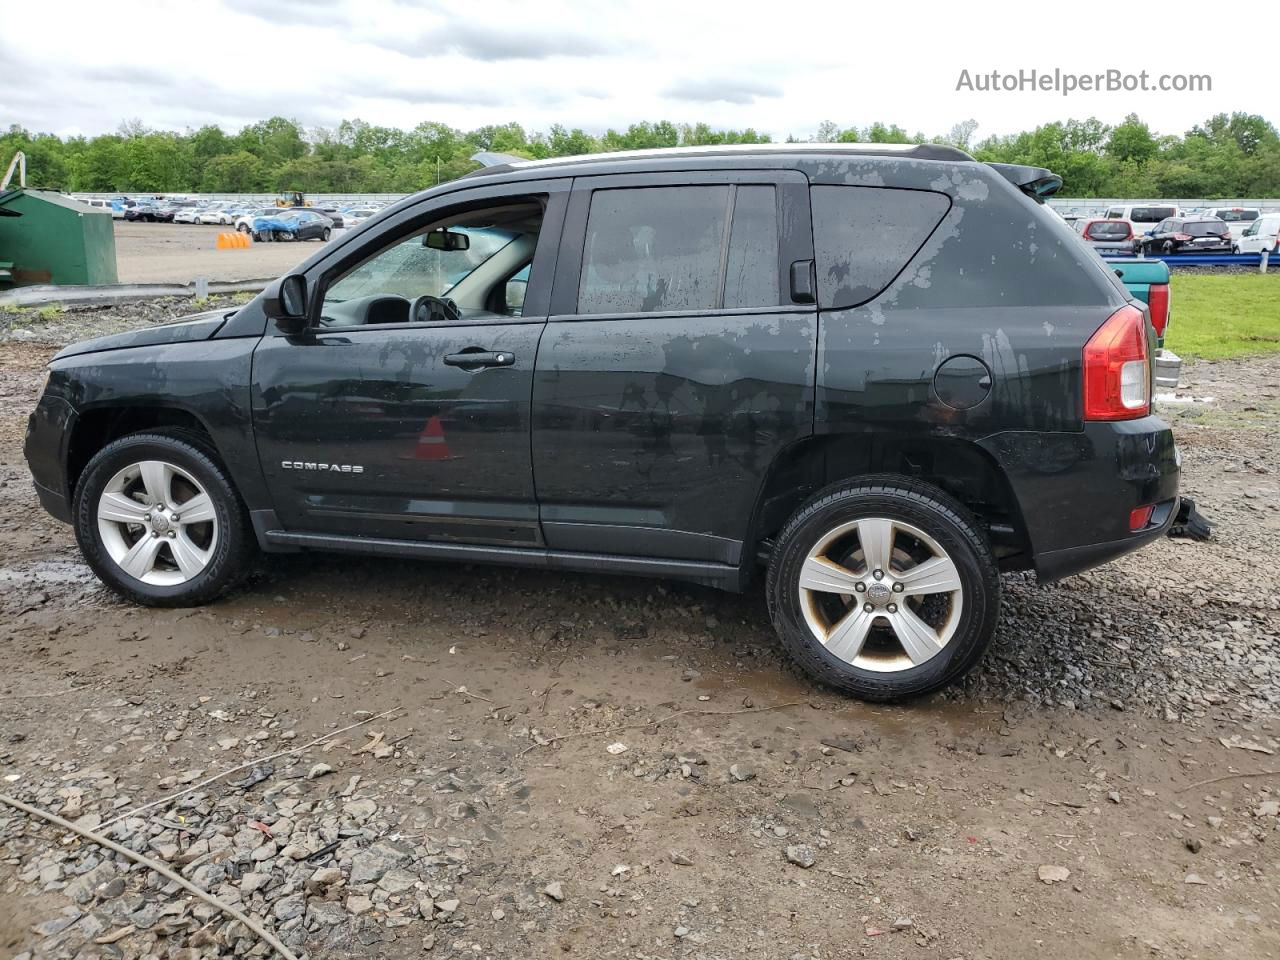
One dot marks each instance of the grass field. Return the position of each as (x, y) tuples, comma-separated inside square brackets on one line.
[(1232, 315)]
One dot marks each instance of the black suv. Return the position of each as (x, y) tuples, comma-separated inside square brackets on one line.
[(877, 375)]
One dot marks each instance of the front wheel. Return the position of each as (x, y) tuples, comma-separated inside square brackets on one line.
[(884, 588), (325, 234), (159, 521), (244, 228)]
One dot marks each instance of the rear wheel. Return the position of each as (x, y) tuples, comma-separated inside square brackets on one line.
[(884, 588), (244, 228), (158, 520), (324, 236)]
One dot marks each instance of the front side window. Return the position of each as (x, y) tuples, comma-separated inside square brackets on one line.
[(453, 271), (657, 249)]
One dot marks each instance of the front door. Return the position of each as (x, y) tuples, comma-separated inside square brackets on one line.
[(676, 364), (403, 412)]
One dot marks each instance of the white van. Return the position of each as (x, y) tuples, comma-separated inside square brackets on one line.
[(1237, 219), (1262, 234), (1143, 216)]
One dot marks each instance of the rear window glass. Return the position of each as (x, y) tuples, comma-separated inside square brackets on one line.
[(658, 249), (1238, 216), (1108, 231), (1152, 214), (1205, 228), (865, 236)]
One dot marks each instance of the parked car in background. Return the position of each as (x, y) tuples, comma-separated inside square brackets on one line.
[(1261, 234), (1177, 235), (164, 212), (1236, 218), (216, 214), (140, 211), (95, 203), (354, 216), (1142, 217), (1110, 236), (185, 215), (335, 215), (244, 222), (298, 223)]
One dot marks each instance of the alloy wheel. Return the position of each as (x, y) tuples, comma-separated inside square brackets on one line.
[(880, 594), (158, 523)]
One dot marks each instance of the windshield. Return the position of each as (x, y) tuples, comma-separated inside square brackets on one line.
[(410, 269)]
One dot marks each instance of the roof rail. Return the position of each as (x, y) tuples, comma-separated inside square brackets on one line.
[(915, 151)]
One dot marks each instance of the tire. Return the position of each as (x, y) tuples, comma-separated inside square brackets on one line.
[(244, 228), (1169, 249), (216, 550), (324, 236), (870, 659)]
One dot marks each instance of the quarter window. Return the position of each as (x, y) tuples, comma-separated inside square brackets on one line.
[(659, 249), (865, 236)]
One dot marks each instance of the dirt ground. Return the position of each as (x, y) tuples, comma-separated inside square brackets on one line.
[(1104, 734), (180, 252)]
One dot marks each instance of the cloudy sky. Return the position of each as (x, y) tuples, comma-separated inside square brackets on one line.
[(782, 68)]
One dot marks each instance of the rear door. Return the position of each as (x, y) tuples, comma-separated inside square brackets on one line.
[(676, 363)]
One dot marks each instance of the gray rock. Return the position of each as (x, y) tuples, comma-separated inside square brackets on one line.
[(397, 881), (82, 888), (252, 882), (554, 890), (326, 913), (741, 772), (802, 855), (370, 864), (289, 907)]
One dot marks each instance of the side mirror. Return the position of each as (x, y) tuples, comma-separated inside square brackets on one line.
[(515, 294), (285, 302), (446, 240)]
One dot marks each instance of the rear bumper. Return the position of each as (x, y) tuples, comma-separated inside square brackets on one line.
[(1075, 491)]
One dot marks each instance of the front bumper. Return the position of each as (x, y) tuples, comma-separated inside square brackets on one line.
[(45, 447)]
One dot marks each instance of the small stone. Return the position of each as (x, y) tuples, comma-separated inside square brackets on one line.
[(361, 809), (1195, 879), (289, 907), (264, 852), (319, 770), (802, 855), (295, 851), (1215, 822), (253, 881), (498, 913), (903, 923), (427, 908), (397, 881), (1268, 808), (616, 748), (447, 907), (326, 876), (679, 859), (359, 905), (1192, 844), (1113, 796), (1049, 873), (681, 932), (554, 890), (741, 773)]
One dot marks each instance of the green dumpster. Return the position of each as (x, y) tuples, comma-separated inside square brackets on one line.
[(51, 238)]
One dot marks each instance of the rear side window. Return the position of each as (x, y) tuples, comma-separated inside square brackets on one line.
[(1102, 230), (657, 249), (1152, 214), (865, 236), (1238, 216)]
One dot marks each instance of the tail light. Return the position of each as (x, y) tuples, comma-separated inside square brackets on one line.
[(1139, 517), (1158, 304), (1182, 236), (1117, 376)]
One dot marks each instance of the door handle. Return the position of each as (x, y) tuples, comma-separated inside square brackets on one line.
[(472, 358)]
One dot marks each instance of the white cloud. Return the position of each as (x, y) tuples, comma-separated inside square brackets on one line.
[(781, 69)]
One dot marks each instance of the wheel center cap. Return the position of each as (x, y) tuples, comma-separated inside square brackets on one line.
[(160, 523), (878, 592)]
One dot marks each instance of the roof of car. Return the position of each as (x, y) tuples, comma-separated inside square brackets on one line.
[(915, 151)]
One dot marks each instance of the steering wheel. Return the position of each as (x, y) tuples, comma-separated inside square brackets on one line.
[(429, 309)]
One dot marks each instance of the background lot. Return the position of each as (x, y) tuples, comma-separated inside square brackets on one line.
[(1083, 741), (180, 252)]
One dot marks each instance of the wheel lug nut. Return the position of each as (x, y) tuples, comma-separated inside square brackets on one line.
[(860, 587), (868, 607), (879, 574), (897, 588), (892, 608)]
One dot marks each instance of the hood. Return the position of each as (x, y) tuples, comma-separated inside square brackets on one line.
[(198, 326)]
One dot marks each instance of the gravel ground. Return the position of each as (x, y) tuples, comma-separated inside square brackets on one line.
[(608, 767)]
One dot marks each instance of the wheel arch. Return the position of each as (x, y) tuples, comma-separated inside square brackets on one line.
[(96, 427), (961, 468)]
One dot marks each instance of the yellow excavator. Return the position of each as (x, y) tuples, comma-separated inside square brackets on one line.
[(292, 198)]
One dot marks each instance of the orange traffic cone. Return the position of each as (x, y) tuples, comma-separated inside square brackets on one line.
[(233, 241)]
